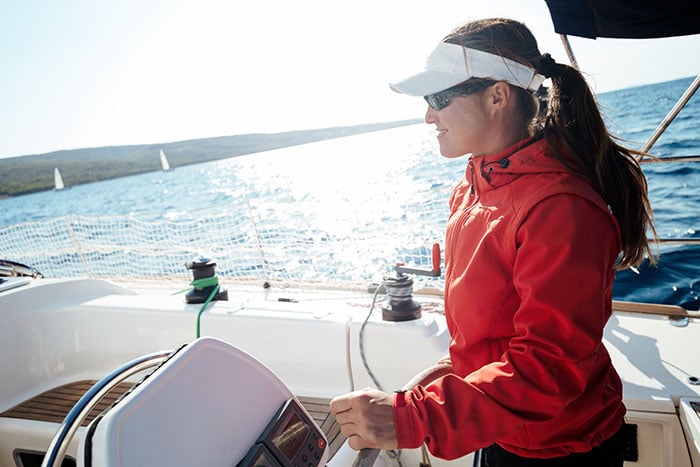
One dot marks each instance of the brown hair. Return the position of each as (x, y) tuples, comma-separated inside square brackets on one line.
[(574, 130)]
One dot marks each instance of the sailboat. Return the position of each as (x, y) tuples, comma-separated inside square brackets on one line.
[(57, 179), (164, 161)]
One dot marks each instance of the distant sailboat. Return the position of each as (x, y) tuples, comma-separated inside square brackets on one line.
[(164, 161), (57, 179)]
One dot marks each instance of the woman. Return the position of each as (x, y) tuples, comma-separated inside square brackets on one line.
[(549, 207)]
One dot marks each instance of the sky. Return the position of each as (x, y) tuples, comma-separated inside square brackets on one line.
[(91, 73)]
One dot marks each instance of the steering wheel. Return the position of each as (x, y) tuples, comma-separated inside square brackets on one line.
[(59, 444), (367, 456)]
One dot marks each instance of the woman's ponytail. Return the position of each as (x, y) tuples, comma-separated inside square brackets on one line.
[(576, 134)]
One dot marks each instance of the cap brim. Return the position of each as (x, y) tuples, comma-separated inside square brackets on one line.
[(451, 64), (426, 82)]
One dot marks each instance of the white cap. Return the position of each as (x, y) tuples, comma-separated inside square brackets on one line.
[(451, 64)]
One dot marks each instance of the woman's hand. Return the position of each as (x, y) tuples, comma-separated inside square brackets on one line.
[(366, 418), (445, 361)]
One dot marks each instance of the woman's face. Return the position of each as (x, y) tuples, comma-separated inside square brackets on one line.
[(468, 125)]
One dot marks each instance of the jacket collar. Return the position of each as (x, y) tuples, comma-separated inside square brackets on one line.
[(525, 156)]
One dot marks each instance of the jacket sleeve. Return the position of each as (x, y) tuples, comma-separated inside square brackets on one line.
[(566, 248)]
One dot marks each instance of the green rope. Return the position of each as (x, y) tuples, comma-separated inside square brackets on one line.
[(200, 284), (204, 282)]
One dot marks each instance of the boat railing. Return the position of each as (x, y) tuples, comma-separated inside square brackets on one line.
[(673, 113)]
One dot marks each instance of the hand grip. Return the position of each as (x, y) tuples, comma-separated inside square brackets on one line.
[(436, 257)]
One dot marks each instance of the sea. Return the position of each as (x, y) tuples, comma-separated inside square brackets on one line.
[(380, 197)]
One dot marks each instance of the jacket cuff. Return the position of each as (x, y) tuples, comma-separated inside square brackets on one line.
[(408, 432)]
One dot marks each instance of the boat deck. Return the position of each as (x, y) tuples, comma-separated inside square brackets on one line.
[(53, 405)]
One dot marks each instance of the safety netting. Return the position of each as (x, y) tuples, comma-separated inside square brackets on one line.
[(250, 243)]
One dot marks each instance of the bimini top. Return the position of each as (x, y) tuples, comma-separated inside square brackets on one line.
[(631, 19), (451, 64)]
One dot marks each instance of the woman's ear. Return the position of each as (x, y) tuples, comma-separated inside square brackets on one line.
[(497, 96)]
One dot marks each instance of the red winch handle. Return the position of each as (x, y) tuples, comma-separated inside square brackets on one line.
[(435, 272), (436, 257)]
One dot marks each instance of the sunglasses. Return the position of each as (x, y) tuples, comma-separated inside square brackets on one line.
[(442, 99)]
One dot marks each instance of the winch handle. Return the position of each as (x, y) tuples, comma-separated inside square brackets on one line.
[(435, 272)]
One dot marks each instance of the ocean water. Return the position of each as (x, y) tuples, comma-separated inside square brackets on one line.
[(358, 204)]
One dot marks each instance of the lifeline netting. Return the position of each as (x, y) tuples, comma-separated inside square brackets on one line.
[(245, 245)]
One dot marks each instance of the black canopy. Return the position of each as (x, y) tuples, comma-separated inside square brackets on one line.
[(632, 19)]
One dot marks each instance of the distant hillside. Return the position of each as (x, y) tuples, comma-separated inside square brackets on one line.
[(27, 174)]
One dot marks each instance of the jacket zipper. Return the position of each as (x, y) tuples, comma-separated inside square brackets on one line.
[(471, 170)]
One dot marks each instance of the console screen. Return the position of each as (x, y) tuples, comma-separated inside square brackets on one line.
[(291, 437)]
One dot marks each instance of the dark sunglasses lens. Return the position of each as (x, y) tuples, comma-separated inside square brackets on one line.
[(438, 101), (442, 99)]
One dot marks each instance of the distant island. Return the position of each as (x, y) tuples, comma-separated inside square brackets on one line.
[(32, 173)]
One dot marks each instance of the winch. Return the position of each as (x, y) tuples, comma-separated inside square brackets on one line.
[(204, 282), (400, 305)]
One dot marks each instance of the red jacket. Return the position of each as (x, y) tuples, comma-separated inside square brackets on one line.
[(530, 253)]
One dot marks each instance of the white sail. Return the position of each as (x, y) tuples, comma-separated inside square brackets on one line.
[(57, 179), (164, 161)]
